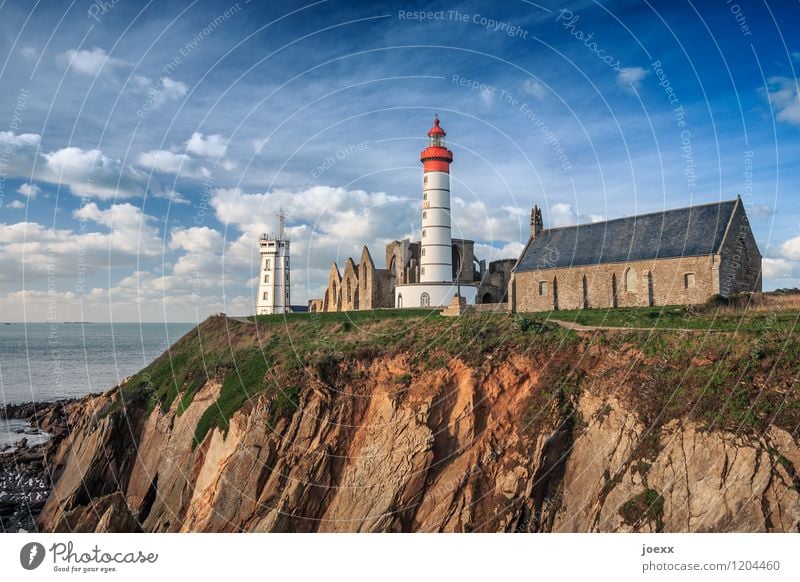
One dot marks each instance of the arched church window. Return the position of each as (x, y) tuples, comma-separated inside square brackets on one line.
[(630, 280), (424, 300)]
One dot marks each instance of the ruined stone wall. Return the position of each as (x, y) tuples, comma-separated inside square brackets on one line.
[(564, 288)]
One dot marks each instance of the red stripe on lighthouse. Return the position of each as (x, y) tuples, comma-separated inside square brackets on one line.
[(436, 166)]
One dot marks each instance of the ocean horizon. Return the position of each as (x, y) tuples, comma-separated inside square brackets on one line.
[(42, 362)]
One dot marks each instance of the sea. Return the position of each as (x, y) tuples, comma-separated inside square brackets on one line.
[(41, 362)]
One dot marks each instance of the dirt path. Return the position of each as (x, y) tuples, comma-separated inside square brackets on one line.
[(580, 327)]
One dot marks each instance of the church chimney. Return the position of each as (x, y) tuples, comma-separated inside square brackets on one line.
[(537, 224)]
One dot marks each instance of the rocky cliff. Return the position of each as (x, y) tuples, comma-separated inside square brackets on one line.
[(487, 423)]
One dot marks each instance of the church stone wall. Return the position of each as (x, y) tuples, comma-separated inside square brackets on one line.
[(740, 265), (563, 288)]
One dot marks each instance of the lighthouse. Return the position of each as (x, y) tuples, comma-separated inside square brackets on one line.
[(436, 243), (434, 286), (274, 284)]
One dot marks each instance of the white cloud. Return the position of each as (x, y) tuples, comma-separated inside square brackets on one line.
[(161, 91), (29, 52), (90, 62), (167, 162), (212, 146), (41, 251), (632, 76), (22, 140), (561, 215), (796, 56), (595, 217), (89, 173), (172, 89), (790, 249), (777, 268), (534, 88), (84, 172), (486, 96), (782, 94), (29, 190), (15, 204), (258, 144), (172, 196)]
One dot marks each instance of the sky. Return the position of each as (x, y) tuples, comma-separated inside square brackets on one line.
[(144, 147)]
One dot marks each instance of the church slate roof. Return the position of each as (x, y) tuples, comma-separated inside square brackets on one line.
[(682, 232)]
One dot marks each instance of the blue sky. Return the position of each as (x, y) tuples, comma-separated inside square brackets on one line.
[(143, 148)]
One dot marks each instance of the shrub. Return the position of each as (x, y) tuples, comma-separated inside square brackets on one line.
[(648, 504)]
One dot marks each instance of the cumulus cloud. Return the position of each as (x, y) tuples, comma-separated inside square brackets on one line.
[(39, 251), (167, 162), (790, 249), (212, 146), (160, 91), (89, 173), (90, 62), (15, 204), (22, 140), (562, 215), (782, 93), (29, 190), (632, 76), (534, 88), (85, 172), (773, 268)]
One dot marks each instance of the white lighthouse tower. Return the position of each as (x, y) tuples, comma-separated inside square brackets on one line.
[(273, 287), (435, 287)]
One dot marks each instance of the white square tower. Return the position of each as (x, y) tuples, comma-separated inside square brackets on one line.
[(274, 274)]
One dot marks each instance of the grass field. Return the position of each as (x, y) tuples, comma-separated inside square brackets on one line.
[(685, 317)]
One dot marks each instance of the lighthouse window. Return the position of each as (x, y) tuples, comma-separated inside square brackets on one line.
[(266, 278), (424, 214), (266, 264), (425, 180), (425, 196), (424, 300), (423, 234), (266, 295), (423, 252)]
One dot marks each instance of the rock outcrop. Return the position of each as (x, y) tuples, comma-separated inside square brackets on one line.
[(378, 443)]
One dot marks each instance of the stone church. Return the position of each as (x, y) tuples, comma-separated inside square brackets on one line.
[(362, 286), (675, 257)]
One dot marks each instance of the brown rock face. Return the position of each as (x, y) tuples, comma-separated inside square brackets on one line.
[(455, 449)]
